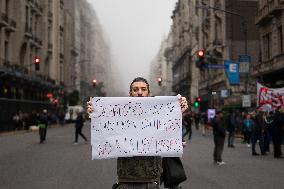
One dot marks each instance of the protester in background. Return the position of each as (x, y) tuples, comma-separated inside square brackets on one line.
[(140, 172), (268, 126), (42, 122), (219, 134), (258, 133), (16, 121), (196, 120), (186, 124), (203, 121), (231, 127), (247, 129), (278, 131), (79, 123)]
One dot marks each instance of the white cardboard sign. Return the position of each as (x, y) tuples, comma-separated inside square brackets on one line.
[(136, 126)]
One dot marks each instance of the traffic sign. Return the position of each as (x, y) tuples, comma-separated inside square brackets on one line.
[(246, 101), (214, 66), (244, 61)]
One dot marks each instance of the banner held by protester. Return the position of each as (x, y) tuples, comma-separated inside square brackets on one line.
[(135, 126)]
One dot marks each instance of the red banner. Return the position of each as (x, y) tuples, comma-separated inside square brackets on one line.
[(269, 99)]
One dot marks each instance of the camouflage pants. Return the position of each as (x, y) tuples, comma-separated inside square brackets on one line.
[(149, 185)]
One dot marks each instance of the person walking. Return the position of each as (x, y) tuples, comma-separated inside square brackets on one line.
[(247, 129), (219, 134), (186, 124), (79, 123), (231, 127), (42, 122), (139, 172), (203, 122)]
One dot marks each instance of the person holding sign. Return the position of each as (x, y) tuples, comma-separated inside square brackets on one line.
[(139, 172)]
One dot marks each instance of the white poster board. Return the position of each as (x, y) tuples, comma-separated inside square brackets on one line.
[(136, 126)]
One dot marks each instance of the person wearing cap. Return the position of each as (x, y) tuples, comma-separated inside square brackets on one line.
[(219, 134)]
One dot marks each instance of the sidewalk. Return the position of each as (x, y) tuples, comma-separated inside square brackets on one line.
[(32, 129)]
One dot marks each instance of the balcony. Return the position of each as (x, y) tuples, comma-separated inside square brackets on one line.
[(28, 31), (36, 41), (4, 20), (50, 47), (61, 55), (268, 11), (38, 9), (11, 25), (50, 15)]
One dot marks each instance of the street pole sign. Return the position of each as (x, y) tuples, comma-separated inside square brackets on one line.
[(246, 101), (244, 61), (214, 66)]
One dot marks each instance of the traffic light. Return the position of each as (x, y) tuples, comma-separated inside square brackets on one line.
[(200, 58), (36, 63), (159, 80), (94, 82), (197, 101)]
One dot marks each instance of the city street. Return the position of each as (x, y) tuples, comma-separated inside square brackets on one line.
[(59, 164)]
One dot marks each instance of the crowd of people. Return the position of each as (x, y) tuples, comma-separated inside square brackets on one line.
[(265, 128)]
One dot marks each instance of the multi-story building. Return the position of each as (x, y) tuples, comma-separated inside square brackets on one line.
[(184, 47), (219, 27), (92, 51), (161, 68), (269, 69), (224, 27), (62, 35)]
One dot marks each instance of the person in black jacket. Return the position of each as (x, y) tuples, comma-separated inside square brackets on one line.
[(219, 134), (79, 123), (231, 127), (278, 131), (42, 122), (258, 132)]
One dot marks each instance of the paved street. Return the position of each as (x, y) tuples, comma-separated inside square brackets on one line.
[(59, 164)]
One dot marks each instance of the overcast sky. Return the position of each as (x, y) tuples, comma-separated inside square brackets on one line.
[(135, 29)]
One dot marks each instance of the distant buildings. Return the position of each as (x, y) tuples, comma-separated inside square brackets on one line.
[(67, 38), (269, 69), (220, 28)]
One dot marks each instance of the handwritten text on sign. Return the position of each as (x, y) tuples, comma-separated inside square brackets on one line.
[(136, 126)]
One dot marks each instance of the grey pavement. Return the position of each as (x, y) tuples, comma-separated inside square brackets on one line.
[(59, 164)]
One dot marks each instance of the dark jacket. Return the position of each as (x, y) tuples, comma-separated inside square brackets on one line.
[(42, 119), (279, 121), (218, 127), (258, 125), (79, 122), (139, 169), (231, 123)]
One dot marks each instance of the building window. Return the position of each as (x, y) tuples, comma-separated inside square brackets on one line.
[(267, 45), (7, 7), (6, 48), (280, 40)]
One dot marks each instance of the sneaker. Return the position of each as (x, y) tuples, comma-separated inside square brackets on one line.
[(221, 163), (75, 143), (248, 145)]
